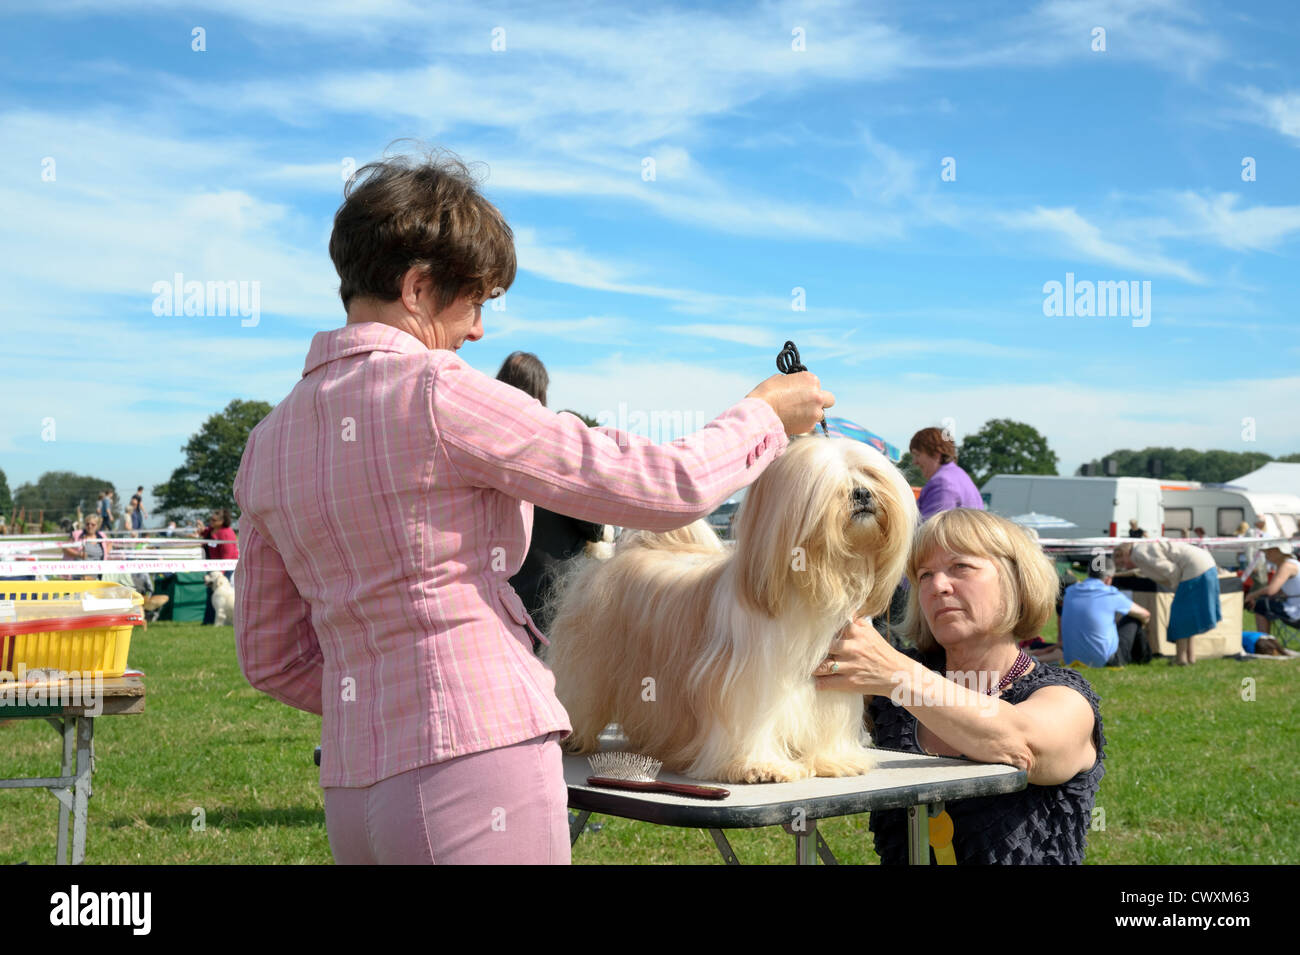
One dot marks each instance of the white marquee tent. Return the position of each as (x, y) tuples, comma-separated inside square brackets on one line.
[(1273, 478)]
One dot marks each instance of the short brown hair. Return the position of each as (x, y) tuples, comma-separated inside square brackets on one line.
[(402, 212), (525, 371), (1027, 578), (934, 441)]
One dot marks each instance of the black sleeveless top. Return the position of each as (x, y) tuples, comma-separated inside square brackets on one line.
[(1041, 825)]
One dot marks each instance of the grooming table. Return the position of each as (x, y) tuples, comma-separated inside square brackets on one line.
[(919, 784), (122, 695)]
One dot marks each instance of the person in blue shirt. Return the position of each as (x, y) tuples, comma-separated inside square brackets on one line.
[(1099, 625)]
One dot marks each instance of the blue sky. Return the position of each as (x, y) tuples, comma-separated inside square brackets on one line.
[(130, 157)]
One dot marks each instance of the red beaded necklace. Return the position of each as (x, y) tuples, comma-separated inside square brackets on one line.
[(1018, 669)]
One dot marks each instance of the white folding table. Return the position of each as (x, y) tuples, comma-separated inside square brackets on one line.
[(919, 784)]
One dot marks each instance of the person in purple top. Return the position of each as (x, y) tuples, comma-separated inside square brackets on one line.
[(946, 485)]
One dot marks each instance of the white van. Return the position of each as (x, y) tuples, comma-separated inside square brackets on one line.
[(1100, 506)]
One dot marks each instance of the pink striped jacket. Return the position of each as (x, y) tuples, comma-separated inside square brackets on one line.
[(383, 513)]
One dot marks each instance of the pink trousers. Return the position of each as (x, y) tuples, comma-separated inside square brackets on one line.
[(501, 806)]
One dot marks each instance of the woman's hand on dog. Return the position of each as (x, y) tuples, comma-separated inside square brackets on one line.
[(798, 400), (861, 661)]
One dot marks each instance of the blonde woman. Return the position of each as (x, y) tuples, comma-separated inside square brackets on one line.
[(88, 544), (979, 584)]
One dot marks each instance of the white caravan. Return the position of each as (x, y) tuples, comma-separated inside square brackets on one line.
[(1100, 506), (1220, 510)]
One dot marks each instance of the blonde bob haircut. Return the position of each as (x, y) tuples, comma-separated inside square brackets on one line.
[(1026, 577)]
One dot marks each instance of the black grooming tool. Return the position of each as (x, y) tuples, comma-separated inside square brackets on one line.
[(788, 363)]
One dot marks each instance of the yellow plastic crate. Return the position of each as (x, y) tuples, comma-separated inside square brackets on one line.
[(103, 649)]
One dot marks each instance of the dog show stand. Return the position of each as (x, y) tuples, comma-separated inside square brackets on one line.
[(919, 784), (75, 723)]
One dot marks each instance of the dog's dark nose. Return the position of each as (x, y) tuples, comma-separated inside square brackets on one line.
[(861, 499)]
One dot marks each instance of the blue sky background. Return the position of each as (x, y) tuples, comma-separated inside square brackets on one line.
[(775, 169)]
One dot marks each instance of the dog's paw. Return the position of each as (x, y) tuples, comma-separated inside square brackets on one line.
[(766, 773), (851, 763)]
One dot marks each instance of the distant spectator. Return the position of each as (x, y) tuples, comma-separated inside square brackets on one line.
[(88, 544), (132, 520), (218, 530), (525, 371), (1134, 530), (1192, 574), (1243, 556), (1280, 599), (3, 528), (106, 509), (1101, 627), (946, 485), (1256, 571), (221, 536), (170, 529), (139, 515), (554, 538)]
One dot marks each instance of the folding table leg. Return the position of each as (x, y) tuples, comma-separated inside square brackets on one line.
[(724, 847), (918, 835), (806, 840), (81, 800), (823, 850), (577, 824), (69, 748)]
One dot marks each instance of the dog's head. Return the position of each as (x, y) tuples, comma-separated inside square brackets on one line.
[(212, 576), (828, 525)]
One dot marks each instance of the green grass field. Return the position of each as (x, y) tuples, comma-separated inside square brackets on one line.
[(1194, 773)]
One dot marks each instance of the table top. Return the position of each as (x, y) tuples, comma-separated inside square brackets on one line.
[(120, 695), (900, 780)]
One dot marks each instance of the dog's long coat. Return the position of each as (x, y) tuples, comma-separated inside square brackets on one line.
[(705, 657)]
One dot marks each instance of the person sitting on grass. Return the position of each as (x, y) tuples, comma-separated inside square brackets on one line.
[(1100, 627)]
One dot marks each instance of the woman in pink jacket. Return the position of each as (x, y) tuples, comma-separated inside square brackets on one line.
[(387, 501)]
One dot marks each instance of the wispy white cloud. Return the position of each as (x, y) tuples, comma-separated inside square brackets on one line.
[(889, 176), (130, 382), (736, 334), (511, 326), (118, 217), (1078, 236), (1219, 219), (1170, 34), (1277, 111)]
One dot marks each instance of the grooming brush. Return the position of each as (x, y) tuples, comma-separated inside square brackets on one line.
[(637, 773), (789, 363)]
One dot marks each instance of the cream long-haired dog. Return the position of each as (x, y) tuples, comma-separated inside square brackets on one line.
[(705, 656), (223, 597)]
